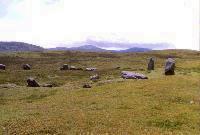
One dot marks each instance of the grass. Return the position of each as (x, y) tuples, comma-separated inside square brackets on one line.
[(160, 105)]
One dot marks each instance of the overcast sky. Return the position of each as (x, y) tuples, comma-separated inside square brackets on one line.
[(56, 22)]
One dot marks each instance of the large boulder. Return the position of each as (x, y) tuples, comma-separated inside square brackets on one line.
[(169, 67), (151, 64), (32, 83), (91, 69), (132, 75), (26, 67), (64, 67), (2, 67), (94, 77)]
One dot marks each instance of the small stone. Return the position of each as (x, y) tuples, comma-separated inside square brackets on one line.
[(2, 67), (94, 77), (32, 83), (87, 86), (26, 67), (91, 69), (64, 67)]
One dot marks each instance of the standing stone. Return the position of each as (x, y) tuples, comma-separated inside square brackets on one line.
[(169, 66), (26, 67), (151, 64), (32, 83), (2, 67)]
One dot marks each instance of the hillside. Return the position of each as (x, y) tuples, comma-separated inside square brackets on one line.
[(84, 48), (135, 49), (92, 48), (18, 46), (160, 105)]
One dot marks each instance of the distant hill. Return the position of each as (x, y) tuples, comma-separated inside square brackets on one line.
[(135, 49), (84, 48), (88, 48), (92, 48), (18, 46)]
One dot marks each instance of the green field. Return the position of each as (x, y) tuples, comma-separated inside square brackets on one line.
[(160, 105)]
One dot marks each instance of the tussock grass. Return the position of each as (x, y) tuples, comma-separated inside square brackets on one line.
[(160, 105)]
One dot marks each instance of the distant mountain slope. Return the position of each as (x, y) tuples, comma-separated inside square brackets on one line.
[(135, 49), (91, 48), (84, 48), (88, 48), (18, 46)]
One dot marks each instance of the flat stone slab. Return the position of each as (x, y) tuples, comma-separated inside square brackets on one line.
[(132, 75)]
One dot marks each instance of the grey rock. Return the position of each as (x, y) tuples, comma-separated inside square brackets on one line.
[(169, 67), (91, 69), (2, 67), (26, 67), (94, 77), (151, 64), (64, 67), (32, 83), (87, 86), (132, 75)]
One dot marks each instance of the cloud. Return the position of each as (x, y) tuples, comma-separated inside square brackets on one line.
[(50, 2), (4, 4), (49, 22)]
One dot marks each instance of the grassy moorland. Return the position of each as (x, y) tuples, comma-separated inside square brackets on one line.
[(162, 104)]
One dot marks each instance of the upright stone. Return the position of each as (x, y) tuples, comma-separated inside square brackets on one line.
[(151, 64), (169, 67)]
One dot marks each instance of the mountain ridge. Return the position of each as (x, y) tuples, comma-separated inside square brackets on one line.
[(22, 46), (14, 46), (92, 48)]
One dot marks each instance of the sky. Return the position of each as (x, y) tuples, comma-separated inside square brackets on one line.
[(51, 23)]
